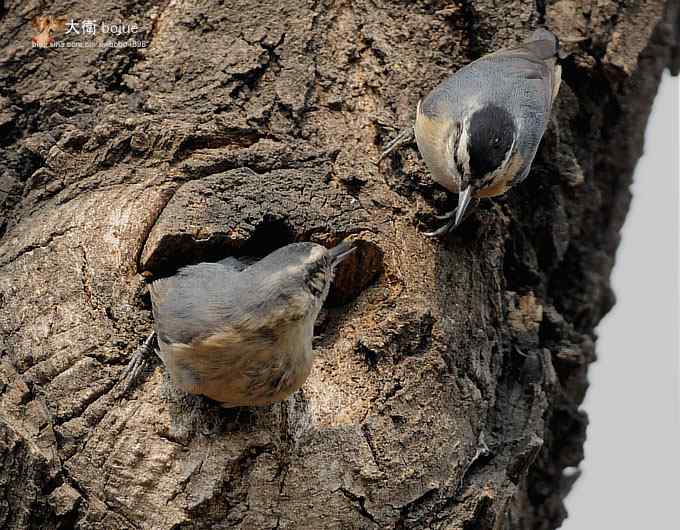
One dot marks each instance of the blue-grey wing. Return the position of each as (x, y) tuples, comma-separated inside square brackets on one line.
[(233, 264), (524, 75), (533, 78), (534, 81), (194, 302)]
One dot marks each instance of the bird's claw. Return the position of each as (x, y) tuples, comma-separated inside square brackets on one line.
[(440, 232), (136, 365), (451, 218), (447, 215), (405, 137)]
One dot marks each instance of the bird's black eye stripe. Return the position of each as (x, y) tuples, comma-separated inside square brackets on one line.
[(316, 284), (456, 162), (315, 268), (316, 276)]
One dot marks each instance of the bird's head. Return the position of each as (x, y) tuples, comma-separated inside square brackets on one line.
[(302, 269), (480, 154)]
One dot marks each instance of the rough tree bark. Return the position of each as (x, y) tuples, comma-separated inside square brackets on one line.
[(119, 161)]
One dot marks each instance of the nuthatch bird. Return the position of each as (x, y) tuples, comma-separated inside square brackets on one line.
[(241, 335), (479, 130)]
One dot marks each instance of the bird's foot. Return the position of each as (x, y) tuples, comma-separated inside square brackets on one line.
[(447, 215), (441, 232), (405, 137), (136, 365), (450, 217)]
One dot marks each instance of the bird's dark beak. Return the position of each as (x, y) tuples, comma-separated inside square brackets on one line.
[(463, 202), (341, 251)]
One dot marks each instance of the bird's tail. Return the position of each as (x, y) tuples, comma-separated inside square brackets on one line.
[(543, 43)]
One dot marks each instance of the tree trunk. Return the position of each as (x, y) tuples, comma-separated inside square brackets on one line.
[(448, 376)]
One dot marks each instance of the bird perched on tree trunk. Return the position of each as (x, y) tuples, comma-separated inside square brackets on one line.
[(479, 130), (241, 335)]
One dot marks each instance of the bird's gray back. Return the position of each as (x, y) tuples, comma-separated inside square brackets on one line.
[(195, 301), (519, 79), (505, 78), (200, 300), (233, 264)]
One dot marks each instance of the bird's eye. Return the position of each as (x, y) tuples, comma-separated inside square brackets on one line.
[(496, 142), (316, 282)]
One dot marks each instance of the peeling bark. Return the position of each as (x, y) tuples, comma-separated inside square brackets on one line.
[(449, 375)]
